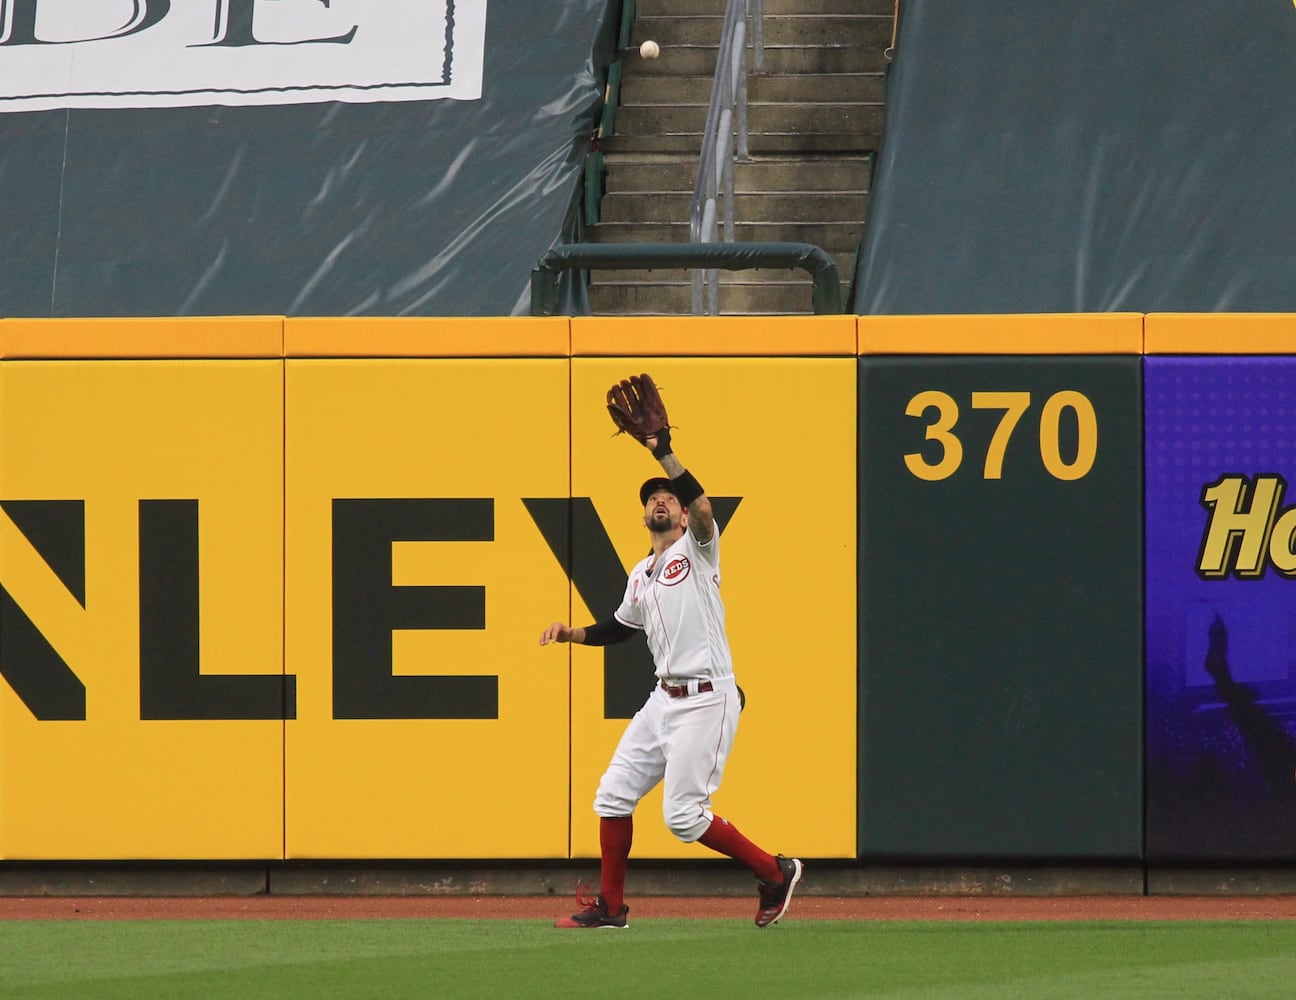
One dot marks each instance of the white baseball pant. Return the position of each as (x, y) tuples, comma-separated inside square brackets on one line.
[(683, 742)]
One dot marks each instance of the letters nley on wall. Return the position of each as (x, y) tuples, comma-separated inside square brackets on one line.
[(269, 607)]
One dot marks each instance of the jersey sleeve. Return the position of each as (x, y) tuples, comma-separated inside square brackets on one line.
[(708, 552), (627, 613)]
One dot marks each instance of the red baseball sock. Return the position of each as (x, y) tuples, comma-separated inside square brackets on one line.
[(723, 837), (615, 835)]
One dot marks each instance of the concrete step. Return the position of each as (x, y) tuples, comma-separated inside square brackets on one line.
[(816, 111), (845, 262), (700, 60), (759, 143), (862, 88), (834, 237), (762, 118), (791, 297), (680, 8), (628, 172), (804, 206), (780, 29)]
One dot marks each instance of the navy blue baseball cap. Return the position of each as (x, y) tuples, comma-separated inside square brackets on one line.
[(653, 485)]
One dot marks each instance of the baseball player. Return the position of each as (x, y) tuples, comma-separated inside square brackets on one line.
[(684, 731)]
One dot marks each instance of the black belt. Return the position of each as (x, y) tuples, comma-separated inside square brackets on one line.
[(682, 690)]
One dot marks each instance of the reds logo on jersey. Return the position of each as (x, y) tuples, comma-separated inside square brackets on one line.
[(675, 571)]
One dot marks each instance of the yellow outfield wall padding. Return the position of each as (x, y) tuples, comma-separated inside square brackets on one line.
[(1220, 333), (729, 336), (143, 337), (127, 440), (414, 568), (1023, 333), (800, 682), (423, 337)]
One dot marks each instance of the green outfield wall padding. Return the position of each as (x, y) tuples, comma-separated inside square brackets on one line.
[(1000, 634)]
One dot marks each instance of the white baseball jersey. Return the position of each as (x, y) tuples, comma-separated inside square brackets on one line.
[(675, 600)]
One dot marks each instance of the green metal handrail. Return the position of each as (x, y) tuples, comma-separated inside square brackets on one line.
[(593, 169), (826, 296)]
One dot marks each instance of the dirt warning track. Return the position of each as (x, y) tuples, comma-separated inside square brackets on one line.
[(648, 907)]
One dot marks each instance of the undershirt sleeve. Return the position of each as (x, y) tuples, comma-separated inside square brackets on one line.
[(607, 633)]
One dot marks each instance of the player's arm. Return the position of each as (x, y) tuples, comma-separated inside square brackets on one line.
[(604, 633), (701, 519)]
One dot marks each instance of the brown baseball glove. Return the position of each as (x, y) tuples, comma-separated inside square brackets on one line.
[(637, 409)]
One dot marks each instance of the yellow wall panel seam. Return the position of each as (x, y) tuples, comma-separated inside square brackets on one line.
[(1220, 333), (713, 336), (427, 337), (195, 338), (142, 338), (1045, 334)]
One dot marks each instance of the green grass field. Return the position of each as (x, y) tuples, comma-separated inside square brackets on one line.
[(706, 959)]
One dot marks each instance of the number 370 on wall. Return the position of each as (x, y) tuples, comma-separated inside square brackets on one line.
[(943, 414)]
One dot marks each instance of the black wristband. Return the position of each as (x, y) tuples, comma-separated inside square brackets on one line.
[(663, 444), (686, 488), (607, 632)]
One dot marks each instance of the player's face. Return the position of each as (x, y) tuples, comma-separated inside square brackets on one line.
[(663, 512)]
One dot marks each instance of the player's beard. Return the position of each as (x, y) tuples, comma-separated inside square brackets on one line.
[(660, 524)]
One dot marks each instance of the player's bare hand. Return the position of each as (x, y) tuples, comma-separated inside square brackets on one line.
[(557, 632)]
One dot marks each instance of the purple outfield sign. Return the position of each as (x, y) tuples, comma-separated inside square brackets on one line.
[(1220, 440)]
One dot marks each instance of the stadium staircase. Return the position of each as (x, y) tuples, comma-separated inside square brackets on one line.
[(815, 121)]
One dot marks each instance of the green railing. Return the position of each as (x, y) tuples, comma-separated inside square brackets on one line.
[(607, 119), (724, 141), (826, 296)]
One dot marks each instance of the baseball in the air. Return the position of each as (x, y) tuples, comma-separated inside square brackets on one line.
[(650, 49)]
